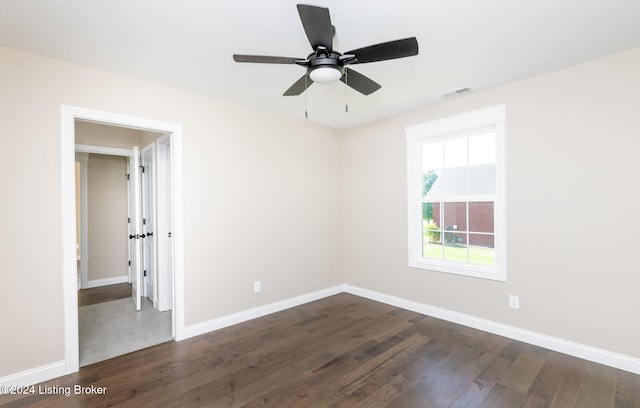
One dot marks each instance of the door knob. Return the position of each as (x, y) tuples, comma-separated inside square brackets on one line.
[(132, 236), (149, 234)]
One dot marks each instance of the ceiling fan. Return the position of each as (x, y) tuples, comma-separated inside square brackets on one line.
[(324, 64)]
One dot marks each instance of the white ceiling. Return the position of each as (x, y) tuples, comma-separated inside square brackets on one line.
[(189, 44)]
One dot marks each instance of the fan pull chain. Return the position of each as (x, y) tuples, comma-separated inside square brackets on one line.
[(306, 105), (346, 91)]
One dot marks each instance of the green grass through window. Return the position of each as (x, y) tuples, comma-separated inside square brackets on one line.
[(456, 252)]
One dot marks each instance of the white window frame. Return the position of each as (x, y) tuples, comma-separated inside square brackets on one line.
[(447, 128)]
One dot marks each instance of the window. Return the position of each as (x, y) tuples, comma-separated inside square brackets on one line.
[(456, 194)]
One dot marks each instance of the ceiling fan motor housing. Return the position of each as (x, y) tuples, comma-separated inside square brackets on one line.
[(329, 60)]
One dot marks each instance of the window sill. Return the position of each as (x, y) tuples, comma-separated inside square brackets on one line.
[(477, 271)]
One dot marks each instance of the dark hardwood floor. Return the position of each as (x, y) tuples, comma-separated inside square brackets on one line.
[(345, 351), (101, 294)]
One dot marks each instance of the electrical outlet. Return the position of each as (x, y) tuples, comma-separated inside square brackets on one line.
[(257, 286), (514, 302)]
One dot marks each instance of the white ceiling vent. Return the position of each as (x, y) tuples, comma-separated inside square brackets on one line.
[(458, 91)]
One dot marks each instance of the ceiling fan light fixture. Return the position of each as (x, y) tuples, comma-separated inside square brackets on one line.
[(326, 65), (325, 75)]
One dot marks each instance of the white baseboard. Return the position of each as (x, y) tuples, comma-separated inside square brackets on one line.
[(35, 375), (107, 281), (235, 318), (615, 360)]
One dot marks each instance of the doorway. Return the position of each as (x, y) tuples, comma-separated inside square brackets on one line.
[(117, 242), (173, 147)]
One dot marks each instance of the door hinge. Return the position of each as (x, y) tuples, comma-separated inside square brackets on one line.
[(144, 221), (129, 263), (145, 274), (128, 220), (128, 177)]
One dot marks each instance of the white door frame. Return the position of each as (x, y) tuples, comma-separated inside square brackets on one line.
[(68, 116)]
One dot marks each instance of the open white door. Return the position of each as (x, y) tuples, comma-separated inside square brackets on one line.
[(149, 222), (164, 224), (135, 228)]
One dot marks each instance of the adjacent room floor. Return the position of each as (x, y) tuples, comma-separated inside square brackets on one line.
[(113, 328)]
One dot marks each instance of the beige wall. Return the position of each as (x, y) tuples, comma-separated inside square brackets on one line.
[(261, 199), (302, 208), (572, 145), (107, 217)]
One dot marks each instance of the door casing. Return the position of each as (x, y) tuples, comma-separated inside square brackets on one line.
[(68, 116)]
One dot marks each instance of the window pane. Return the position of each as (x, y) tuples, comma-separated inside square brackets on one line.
[(432, 156), (455, 252), (455, 152), (435, 208), (427, 213), (481, 216), (482, 148), (431, 233), (482, 179), (428, 180), (450, 183), (433, 251), (454, 220), (462, 181), (431, 239), (481, 249), (481, 240)]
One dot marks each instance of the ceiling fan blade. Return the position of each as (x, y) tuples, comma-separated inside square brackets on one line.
[(317, 25), (264, 59), (299, 86), (385, 51), (359, 82)]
